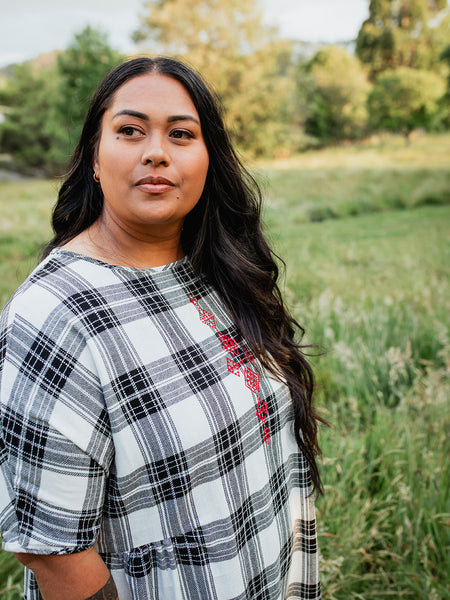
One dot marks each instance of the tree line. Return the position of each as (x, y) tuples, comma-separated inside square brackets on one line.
[(276, 100)]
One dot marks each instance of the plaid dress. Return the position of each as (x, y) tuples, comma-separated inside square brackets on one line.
[(135, 418)]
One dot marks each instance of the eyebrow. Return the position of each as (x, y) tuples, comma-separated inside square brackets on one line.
[(144, 117), (132, 113), (183, 118)]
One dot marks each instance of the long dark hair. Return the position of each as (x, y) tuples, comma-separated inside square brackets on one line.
[(222, 236)]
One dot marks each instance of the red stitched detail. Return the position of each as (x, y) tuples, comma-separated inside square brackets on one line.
[(207, 317), (261, 410), (251, 380), (266, 434), (251, 377), (229, 345), (248, 356), (233, 367), (193, 300)]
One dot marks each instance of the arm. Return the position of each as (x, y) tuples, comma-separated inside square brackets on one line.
[(81, 576)]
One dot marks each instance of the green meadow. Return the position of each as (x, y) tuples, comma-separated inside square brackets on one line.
[(365, 235)]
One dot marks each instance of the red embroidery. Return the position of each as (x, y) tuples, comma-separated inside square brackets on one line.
[(233, 367), (266, 434), (207, 317), (229, 345), (251, 377), (251, 380), (193, 299), (261, 410), (248, 356)]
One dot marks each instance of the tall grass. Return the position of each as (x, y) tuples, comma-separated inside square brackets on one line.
[(11, 576), (24, 227), (371, 287), (373, 293), (340, 182)]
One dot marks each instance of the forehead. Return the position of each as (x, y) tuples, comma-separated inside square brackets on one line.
[(153, 92)]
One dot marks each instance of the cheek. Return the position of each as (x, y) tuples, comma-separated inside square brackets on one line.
[(202, 169), (107, 158), (114, 169), (194, 172), (198, 183)]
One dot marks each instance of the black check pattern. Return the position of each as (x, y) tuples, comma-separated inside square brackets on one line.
[(123, 425), (228, 448), (95, 314), (136, 395), (47, 365), (198, 373)]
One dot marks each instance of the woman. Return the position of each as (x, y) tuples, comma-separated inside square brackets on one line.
[(158, 438)]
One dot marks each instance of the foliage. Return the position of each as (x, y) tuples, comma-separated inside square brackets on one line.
[(81, 67), (274, 104), (404, 99), (24, 228), (218, 27), (335, 95), (249, 66), (11, 577), (29, 100), (336, 183), (403, 33), (373, 293), (46, 110), (445, 100)]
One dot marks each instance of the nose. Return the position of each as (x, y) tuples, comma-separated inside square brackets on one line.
[(155, 151)]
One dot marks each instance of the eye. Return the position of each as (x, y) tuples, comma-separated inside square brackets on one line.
[(129, 131), (181, 134)]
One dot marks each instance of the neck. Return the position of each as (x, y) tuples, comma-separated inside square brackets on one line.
[(106, 240)]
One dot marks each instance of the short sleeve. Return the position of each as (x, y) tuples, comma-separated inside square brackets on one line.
[(55, 440)]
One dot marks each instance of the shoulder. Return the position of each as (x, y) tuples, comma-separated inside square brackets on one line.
[(43, 340), (52, 296)]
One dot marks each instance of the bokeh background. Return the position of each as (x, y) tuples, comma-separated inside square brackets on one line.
[(341, 111)]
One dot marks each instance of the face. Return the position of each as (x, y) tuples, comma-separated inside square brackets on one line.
[(152, 160)]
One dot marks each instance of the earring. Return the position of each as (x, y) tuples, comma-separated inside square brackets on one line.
[(96, 177)]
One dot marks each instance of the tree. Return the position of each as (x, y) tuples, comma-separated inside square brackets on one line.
[(23, 134), (213, 28), (250, 68), (407, 33), (445, 100), (81, 67), (403, 99), (335, 95), (46, 109), (260, 107)]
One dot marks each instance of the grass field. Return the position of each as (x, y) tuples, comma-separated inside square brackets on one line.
[(365, 233)]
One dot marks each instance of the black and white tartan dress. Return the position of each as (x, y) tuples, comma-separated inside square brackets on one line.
[(135, 417)]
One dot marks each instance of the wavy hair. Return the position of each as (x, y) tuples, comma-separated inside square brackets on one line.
[(222, 236)]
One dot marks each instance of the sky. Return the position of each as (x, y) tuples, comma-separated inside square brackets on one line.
[(31, 27)]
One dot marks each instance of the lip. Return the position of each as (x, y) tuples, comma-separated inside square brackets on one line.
[(154, 184)]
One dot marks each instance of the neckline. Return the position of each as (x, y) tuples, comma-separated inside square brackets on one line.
[(79, 255)]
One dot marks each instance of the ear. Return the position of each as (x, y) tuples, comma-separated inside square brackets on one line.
[(95, 163)]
